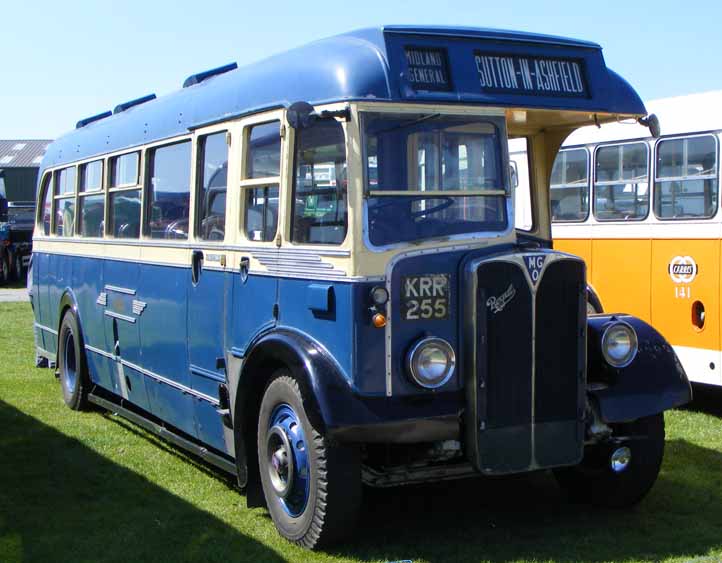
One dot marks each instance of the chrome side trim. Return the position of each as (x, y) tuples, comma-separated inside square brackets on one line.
[(100, 352), (46, 329), (139, 307), (102, 299), (197, 245), (153, 375), (170, 382), (283, 261), (115, 315), (118, 289)]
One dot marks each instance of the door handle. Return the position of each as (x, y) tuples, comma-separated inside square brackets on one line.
[(196, 266), (245, 266)]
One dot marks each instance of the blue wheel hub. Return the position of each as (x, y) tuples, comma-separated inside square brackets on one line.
[(70, 370), (287, 460)]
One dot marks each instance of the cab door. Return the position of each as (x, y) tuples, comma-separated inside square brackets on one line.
[(209, 289)]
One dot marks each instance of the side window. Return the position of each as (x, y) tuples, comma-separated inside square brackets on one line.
[(685, 184), (212, 184), (45, 213), (91, 200), (520, 179), (260, 181), (320, 214), (621, 182), (169, 191), (124, 199), (65, 202), (569, 186)]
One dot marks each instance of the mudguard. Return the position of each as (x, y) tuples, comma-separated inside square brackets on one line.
[(653, 382)]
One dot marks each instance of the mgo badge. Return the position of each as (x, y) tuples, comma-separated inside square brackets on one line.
[(425, 297), (534, 264)]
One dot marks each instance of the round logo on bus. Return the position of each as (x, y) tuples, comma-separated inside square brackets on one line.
[(682, 269)]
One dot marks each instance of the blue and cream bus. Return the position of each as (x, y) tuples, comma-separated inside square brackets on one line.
[(308, 271)]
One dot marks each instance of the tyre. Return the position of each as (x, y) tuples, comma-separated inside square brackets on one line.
[(72, 367), (18, 269), (312, 488), (637, 462), (4, 270)]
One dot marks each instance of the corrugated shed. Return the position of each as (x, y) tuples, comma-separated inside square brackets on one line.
[(22, 153)]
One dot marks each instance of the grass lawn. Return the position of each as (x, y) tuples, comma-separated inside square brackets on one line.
[(92, 487)]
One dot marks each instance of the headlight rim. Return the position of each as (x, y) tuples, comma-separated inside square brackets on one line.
[(415, 350), (633, 349)]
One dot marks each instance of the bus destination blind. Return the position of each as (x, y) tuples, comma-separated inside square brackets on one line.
[(530, 75)]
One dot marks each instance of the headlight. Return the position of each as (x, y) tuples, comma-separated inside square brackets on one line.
[(619, 344), (431, 362)]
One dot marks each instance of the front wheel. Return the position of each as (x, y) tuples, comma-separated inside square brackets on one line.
[(312, 488), (72, 368), (618, 475)]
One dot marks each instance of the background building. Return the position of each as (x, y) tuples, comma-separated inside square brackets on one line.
[(19, 163)]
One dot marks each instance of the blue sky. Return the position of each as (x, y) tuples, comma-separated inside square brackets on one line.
[(64, 60)]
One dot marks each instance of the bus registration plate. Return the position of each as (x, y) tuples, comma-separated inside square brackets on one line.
[(425, 297)]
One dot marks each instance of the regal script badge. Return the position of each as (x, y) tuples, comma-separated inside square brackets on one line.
[(497, 304)]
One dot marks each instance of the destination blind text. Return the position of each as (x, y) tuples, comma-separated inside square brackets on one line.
[(530, 75), (427, 69)]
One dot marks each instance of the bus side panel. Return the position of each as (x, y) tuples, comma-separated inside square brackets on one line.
[(122, 333), (164, 340), (621, 275), (323, 310), (41, 271), (678, 291), (54, 288), (578, 247), (87, 288), (252, 311)]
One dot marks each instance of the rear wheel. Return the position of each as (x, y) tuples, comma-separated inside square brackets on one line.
[(72, 367), (618, 475), (18, 269), (312, 488), (4, 270)]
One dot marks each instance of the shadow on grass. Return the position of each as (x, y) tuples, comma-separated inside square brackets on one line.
[(528, 518), (706, 399), (61, 501)]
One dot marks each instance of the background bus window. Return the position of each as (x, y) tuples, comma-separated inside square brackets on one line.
[(124, 170), (263, 161), (65, 202), (621, 182), (686, 178), (125, 214), (213, 177), (169, 191), (520, 175), (569, 186), (320, 183)]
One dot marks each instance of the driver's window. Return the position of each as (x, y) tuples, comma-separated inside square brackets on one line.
[(169, 191), (212, 183), (320, 214)]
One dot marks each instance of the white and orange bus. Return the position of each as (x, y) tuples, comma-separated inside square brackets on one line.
[(644, 214)]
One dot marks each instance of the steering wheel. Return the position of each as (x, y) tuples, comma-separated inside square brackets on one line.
[(446, 203)]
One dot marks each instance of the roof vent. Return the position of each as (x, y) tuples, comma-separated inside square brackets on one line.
[(127, 105), (88, 120), (206, 74)]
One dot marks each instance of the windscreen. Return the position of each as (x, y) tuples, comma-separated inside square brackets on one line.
[(431, 176)]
